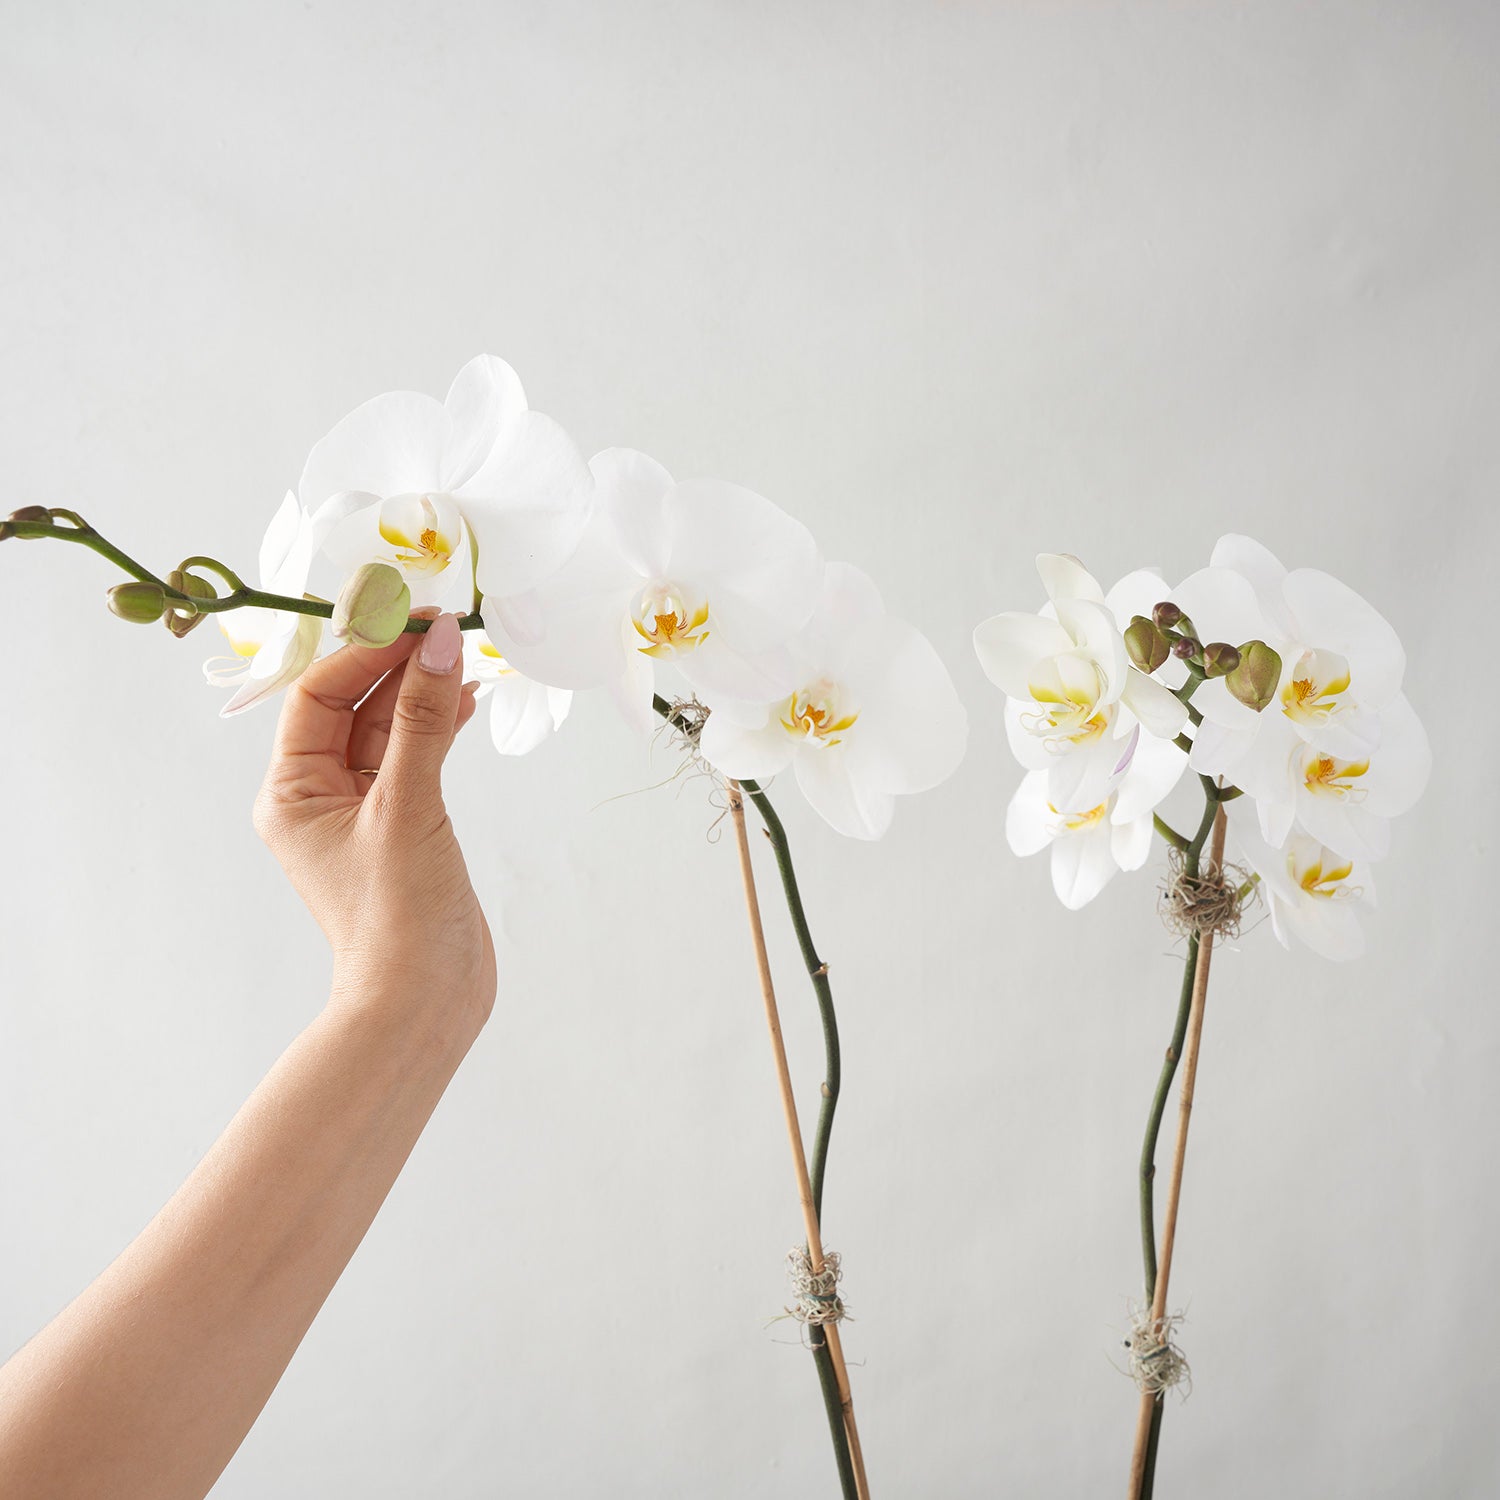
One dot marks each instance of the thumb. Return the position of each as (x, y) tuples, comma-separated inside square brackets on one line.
[(426, 712)]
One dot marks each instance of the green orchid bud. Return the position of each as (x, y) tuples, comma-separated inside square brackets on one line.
[(1166, 614), (181, 617), (372, 607), (1147, 647), (28, 513), (1220, 658), (1255, 679), (140, 603)]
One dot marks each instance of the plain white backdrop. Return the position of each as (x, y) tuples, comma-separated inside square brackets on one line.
[(954, 283)]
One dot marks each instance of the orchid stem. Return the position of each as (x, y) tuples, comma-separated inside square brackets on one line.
[(241, 597), (832, 1343), (1189, 1014), (1170, 834), (817, 971)]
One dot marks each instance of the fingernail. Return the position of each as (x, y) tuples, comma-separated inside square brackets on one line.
[(470, 687), (441, 646)]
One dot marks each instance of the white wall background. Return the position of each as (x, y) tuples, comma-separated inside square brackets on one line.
[(954, 283)]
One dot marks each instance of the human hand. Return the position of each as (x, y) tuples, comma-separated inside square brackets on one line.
[(374, 856)]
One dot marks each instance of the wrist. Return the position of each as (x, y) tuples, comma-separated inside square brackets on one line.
[(432, 1006)]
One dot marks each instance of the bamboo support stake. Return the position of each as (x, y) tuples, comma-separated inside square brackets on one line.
[(1179, 1155), (830, 1331)]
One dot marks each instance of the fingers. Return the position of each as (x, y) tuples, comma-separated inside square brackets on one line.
[(424, 718), (318, 714), (374, 718)]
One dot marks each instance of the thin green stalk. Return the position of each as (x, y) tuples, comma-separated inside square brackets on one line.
[(818, 972), (1192, 853), (239, 597)]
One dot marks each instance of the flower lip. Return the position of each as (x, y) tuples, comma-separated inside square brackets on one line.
[(817, 714), (420, 524), (1315, 688), (668, 621)]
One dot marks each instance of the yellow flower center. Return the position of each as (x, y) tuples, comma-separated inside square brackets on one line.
[(814, 714), (1318, 683), (430, 553), (1078, 822), (1066, 693), (1322, 875), (667, 624), (1328, 776)]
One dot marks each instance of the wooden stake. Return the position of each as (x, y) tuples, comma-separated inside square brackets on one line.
[(1179, 1155), (830, 1331)]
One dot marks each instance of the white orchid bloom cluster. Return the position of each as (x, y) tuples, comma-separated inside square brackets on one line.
[(609, 574), (1303, 714)]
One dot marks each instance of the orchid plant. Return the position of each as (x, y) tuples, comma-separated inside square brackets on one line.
[(1293, 720), (695, 602)]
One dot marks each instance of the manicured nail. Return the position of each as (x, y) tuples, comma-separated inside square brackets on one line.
[(441, 646), (470, 687)]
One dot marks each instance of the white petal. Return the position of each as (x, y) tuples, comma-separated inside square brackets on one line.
[(752, 751), (523, 713), (1080, 778), (1082, 865), (1137, 593), (912, 728), (1224, 606), (528, 503), (1330, 616), (1093, 629), (1263, 571), (1065, 577), (485, 395), (569, 631), (759, 569), (392, 445), (830, 781), (1030, 825), (281, 536), (1130, 842), (1161, 712), (1218, 705), (1155, 769), (1401, 765), (633, 489), (1009, 645), (284, 658)]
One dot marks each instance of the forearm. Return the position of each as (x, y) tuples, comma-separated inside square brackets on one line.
[(149, 1381)]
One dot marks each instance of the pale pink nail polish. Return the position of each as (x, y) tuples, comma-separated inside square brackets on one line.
[(441, 646)]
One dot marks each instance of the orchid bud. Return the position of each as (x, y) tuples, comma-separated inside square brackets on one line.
[(29, 513), (1220, 658), (180, 616), (1147, 646), (373, 607), (140, 603), (1254, 681), (1185, 648), (1166, 614)]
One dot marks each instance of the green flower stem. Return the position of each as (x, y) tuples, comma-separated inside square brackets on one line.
[(229, 576), (1192, 853), (818, 972), (240, 596), (1170, 834)]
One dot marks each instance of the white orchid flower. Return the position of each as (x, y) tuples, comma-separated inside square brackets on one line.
[(703, 575), (272, 647), (1076, 703), (1338, 749), (1314, 893), (522, 713), (395, 481), (1090, 845), (870, 713)]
